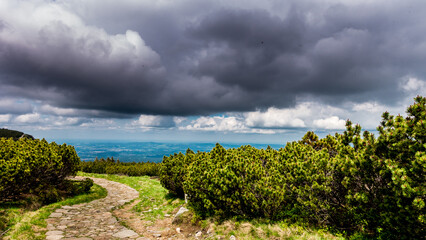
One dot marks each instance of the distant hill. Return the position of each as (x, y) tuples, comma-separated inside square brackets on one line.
[(6, 133)]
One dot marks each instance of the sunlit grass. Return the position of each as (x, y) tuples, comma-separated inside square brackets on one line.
[(154, 200), (258, 230), (27, 224)]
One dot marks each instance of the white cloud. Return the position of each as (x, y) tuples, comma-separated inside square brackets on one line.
[(277, 118), (149, 120), (28, 118), (154, 121), (225, 124), (100, 123), (310, 115), (330, 123), (57, 111), (4, 118), (179, 120), (412, 84), (35, 22), (66, 121), (216, 123), (372, 107), (262, 131)]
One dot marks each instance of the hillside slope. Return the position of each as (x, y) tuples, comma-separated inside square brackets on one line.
[(6, 133)]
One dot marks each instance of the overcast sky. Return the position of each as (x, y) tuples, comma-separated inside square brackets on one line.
[(190, 70)]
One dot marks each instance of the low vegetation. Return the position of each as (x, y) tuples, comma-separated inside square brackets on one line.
[(112, 166), (24, 219), (151, 194), (351, 183), (35, 167), (15, 135), (155, 209), (33, 173)]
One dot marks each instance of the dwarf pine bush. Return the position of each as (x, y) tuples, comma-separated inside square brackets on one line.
[(173, 171), (112, 166), (33, 166)]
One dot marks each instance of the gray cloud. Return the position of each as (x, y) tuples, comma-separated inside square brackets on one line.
[(14, 106), (187, 57)]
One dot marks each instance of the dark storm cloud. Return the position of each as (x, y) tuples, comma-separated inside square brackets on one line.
[(200, 58), (81, 67), (251, 41), (350, 55)]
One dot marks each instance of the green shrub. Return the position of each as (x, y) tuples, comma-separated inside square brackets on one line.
[(306, 175), (33, 166), (48, 195), (173, 171), (380, 183), (236, 182), (401, 148), (73, 187), (112, 166)]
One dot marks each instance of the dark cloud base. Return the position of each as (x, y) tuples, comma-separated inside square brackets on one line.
[(227, 59)]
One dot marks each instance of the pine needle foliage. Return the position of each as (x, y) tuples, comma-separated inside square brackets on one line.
[(113, 166), (34, 167)]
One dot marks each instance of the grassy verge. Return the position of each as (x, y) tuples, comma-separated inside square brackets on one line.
[(155, 203), (23, 223), (258, 229)]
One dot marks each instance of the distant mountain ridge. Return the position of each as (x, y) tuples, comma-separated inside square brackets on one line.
[(6, 133)]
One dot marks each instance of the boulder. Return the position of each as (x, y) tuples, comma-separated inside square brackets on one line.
[(180, 215)]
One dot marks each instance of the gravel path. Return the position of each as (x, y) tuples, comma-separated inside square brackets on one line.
[(93, 220)]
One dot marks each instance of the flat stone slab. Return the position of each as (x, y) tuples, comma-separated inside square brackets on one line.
[(49, 233), (55, 215), (54, 237), (125, 234), (67, 207), (82, 238)]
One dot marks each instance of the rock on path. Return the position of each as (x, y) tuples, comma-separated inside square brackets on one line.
[(93, 220)]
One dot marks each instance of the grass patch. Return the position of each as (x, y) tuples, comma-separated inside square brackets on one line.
[(155, 201), (24, 223), (257, 230)]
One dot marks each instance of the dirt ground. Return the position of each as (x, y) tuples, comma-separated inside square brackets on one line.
[(161, 228)]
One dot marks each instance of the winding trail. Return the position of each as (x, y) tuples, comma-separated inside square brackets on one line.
[(93, 220)]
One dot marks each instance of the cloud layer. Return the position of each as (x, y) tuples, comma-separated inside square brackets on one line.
[(48, 53), (179, 67), (189, 58)]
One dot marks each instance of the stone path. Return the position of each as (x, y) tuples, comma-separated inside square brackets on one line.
[(93, 220)]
